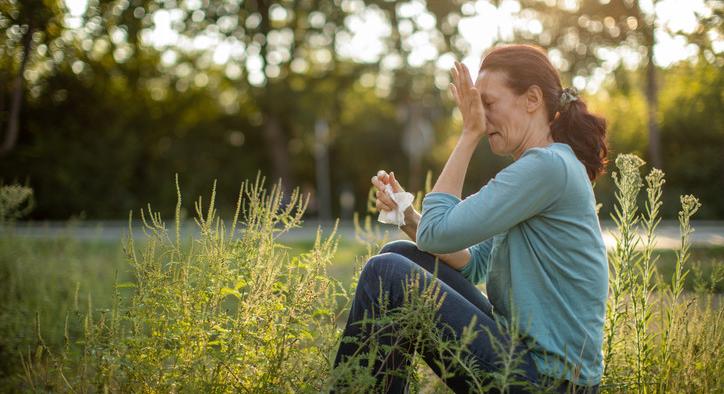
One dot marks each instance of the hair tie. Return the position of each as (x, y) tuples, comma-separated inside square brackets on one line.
[(567, 96)]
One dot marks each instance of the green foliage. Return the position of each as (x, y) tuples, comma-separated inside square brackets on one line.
[(691, 126), (654, 329), (15, 202), (49, 283), (692, 134), (235, 310), (199, 319)]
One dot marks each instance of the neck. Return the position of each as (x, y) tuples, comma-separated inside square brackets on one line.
[(537, 137)]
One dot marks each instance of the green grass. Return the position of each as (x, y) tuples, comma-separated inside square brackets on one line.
[(703, 260), (227, 314), (41, 275)]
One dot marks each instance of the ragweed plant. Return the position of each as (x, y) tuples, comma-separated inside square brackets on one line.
[(232, 311), (650, 325)]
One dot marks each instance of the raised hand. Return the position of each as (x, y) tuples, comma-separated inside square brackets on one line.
[(383, 201), (468, 100)]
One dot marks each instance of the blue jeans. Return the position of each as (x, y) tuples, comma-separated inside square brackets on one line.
[(390, 269)]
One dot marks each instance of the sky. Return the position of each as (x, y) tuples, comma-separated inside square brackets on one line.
[(479, 26)]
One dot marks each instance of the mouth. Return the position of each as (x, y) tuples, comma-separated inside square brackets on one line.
[(492, 133)]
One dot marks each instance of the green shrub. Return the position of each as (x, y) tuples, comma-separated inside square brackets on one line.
[(15, 202)]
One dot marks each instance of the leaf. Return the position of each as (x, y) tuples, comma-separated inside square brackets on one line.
[(321, 312), (227, 291), (240, 284)]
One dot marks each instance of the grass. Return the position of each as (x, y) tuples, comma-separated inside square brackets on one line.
[(224, 312), (55, 277)]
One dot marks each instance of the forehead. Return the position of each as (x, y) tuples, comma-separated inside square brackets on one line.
[(492, 83)]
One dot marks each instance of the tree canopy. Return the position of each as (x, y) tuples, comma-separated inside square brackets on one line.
[(102, 103)]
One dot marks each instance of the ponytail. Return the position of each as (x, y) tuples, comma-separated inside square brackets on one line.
[(585, 133)]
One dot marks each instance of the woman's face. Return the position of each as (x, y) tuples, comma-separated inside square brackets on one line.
[(507, 120)]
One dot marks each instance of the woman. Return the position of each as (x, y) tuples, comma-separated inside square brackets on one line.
[(531, 234)]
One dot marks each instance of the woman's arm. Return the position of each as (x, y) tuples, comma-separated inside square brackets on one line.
[(456, 260), (471, 107), (453, 174), (528, 187)]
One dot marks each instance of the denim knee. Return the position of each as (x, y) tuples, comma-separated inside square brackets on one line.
[(400, 246), (391, 268), (372, 269)]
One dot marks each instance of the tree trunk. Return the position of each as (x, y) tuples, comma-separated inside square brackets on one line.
[(274, 134), (652, 98), (11, 134), (277, 150), (652, 101)]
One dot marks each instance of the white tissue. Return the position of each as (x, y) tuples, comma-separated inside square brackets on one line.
[(396, 216)]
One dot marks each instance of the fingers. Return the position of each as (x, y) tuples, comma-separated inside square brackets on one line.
[(384, 201), (454, 92), (455, 76), (467, 77), (380, 180), (461, 85), (395, 185), (459, 79), (463, 76), (475, 97)]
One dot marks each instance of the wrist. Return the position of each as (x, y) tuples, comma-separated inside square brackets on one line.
[(411, 221), (472, 133), (409, 213)]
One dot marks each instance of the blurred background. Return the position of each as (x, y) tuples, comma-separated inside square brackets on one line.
[(103, 102)]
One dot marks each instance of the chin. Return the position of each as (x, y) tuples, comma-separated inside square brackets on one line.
[(497, 151)]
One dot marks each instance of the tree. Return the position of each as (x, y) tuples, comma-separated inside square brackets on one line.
[(583, 35), (24, 23)]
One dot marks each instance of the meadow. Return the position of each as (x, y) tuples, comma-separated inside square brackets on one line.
[(242, 311)]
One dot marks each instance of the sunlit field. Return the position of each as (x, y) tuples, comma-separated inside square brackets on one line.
[(275, 116), (227, 313)]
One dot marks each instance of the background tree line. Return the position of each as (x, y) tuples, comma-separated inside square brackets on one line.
[(98, 112)]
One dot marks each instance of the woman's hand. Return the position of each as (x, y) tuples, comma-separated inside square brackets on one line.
[(384, 201), (468, 101)]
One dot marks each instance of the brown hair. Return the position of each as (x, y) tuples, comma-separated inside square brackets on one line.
[(572, 124)]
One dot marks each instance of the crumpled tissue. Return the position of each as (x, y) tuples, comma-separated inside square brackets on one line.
[(396, 216)]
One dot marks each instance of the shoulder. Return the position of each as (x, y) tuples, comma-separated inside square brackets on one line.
[(548, 162)]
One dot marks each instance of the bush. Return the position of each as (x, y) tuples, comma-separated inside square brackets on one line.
[(15, 202)]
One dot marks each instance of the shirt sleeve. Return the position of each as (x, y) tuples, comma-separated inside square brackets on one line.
[(520, 191), (476, 270)]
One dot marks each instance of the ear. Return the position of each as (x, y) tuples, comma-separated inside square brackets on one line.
[(534, 98)]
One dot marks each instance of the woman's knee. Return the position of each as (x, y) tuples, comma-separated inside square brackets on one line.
[(383, 265), (400, 246)]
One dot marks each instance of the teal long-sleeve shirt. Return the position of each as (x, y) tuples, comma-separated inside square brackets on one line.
[(535, 241)]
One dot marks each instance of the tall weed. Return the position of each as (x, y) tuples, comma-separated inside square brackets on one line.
[(656, 338), (232, 312), (235, 311)]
